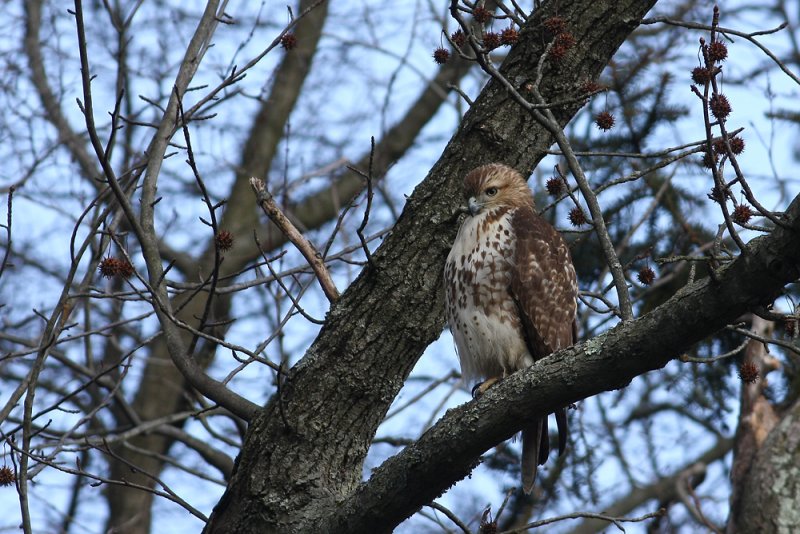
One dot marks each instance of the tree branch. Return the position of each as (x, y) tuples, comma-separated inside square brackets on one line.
[(306, 248)]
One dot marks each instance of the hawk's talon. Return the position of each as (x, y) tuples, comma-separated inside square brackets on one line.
[(475, 393), (481, 387)]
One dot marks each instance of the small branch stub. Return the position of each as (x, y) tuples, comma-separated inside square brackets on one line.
[(309, 252)]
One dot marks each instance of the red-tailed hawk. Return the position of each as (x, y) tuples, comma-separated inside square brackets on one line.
[(510, 293)]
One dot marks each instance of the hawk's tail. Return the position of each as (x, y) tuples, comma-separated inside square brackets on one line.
[(536, 446), (563, 429)]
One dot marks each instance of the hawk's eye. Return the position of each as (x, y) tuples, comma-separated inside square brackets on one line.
[(491, 191)]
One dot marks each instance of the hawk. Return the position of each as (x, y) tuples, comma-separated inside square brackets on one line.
[(510, 293)]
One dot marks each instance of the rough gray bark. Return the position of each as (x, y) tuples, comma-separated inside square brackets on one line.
[(304, 453), (771, 492), (757, 419)]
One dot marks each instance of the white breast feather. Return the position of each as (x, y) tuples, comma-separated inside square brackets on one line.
[(488, 345)]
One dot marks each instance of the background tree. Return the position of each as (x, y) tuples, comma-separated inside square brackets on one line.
[(167, 311)]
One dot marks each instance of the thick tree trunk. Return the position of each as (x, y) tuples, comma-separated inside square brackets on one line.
[(771, 493), (765, 477), (304, 453)]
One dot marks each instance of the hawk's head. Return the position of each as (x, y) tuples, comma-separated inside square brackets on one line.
[(496, 186)]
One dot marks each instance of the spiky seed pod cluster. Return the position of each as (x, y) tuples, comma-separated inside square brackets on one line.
[(112, 266), (716, 195), (555, 25), (458, 38), (125, 269), (709, 159), (481, 15), (491, 40), (790, 325), (719, 106), (509, 36), (748, 372), (717, 52), (7, 476), (604, 120), (441, 55), (288, 41), (701, 75), (736, 143), (576, 217), (224, 240), (554, 186), (565, 39), (562, 44), (646, 276), (108, 267), (742, 214), (591, 86)]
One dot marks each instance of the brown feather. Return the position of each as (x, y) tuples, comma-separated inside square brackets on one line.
[(532, 438), (543, 283)]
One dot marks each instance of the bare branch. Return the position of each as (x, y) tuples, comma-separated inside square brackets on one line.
[(588, 515), (314, 258)]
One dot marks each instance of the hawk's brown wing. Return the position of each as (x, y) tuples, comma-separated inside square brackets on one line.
[(545, 289), (543, 284)]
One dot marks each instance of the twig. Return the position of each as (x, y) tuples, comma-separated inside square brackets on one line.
[(267, 203), (143, 225), (503, 505), (295, 300), (7, 226), (461, 93), (589, 515), (734, 352), (765, 340), (451, 516), (212, 213), (727, 31), (684, 490), (237, 74), (430, 387), (711, 86), (188, 367), (167, 493), (584, 295), (365, 220)]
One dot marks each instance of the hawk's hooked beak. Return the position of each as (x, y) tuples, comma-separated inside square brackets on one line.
[(474, 206)]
